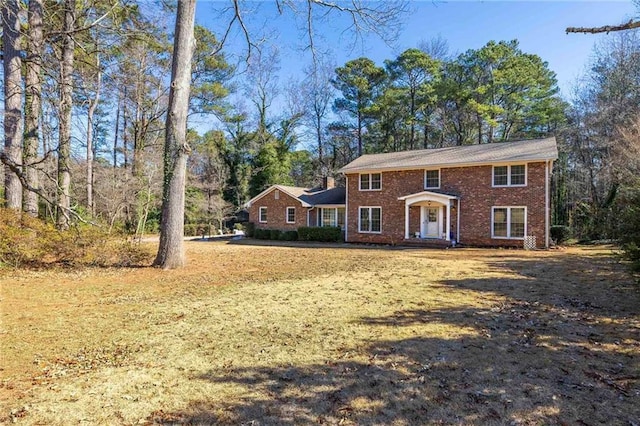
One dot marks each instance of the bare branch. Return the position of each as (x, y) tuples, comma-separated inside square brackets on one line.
[(245, 31), (17, 169), (606, 29), (225, 35), (310, 31), (88, 26), (379, 18)]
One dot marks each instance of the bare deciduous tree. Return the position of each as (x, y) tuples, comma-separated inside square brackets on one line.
[(262, 86), (317, 94)]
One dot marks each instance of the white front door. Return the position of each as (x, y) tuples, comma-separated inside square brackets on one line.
[(431, 222)]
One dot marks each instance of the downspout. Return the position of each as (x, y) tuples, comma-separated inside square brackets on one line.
[(458, 226), (346, 208), (546, 202), (309, 215)]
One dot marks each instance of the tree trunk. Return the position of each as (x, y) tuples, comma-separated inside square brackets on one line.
[(491, 132), (412, 128), (176, 150), (125, 138), (138, 124), (319, 139), (117, 132), (90, 113), (360, 126), (33, 101), (12, 102), (46, 135), (66, 102)]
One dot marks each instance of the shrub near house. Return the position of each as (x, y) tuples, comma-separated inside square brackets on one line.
[(490, 195)]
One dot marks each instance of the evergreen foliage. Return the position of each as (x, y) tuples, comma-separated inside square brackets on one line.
[(560, 233), (289, 236), (322, 234)]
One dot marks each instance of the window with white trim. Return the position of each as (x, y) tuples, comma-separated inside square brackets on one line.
[(508, 222), (328, 217), (291, 215), (331, 216), (513, 175), (432, 179), (370, 181), (263, 215), (370, 219)]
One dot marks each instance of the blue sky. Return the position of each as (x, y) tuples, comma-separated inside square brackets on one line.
[(539, 26)]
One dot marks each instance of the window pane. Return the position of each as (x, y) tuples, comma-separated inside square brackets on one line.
[(517, 175), (291, 214), (341, 217), (263, 214), (375, 220), (328, 217), (500, 222), (517, 223), (364, 219), (364, 181), (500, 175), (432, 179), (376, 181), (517, 215)]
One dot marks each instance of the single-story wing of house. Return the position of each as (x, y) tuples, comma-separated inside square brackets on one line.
[(494, 194), (289, 207)]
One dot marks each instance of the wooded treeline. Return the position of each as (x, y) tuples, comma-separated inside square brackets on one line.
[(86, 93)]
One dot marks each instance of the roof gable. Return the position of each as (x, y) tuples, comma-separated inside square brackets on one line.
[(502, 152), (292, 191), (308, 197)]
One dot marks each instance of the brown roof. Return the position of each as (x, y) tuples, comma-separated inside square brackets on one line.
[(502, 152), (308, 196), (294, 191)]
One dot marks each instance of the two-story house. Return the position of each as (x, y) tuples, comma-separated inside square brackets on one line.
[(488, 195)]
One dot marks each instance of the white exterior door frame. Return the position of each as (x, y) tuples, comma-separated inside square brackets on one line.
[(429, 228), (444, 207)]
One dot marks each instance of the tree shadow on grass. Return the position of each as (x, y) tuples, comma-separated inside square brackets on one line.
[(561, 347), (594, 283)]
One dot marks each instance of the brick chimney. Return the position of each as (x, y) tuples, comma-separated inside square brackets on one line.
[(328, 182)]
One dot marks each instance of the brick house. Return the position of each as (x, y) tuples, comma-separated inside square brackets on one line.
[(289, 207), (488, 195)]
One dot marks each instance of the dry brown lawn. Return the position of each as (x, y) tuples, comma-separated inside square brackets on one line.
[(264, 335)]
